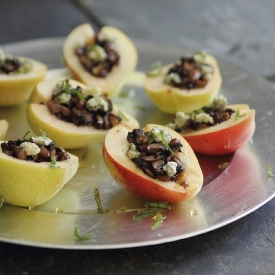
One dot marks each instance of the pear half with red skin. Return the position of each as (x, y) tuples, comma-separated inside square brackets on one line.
[(123, 45), (226, 137), (27, 184), (66, 134), (16, 88), (135, 181), (171, 99)]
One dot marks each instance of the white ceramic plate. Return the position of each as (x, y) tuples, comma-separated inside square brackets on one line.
[(227, 195)]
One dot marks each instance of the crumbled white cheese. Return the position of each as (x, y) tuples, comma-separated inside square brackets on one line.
[(97, 103), (30, 148), (133, 152), (58, 88), (42, 140), (202, 117), (207, 71), (172, 77), (96, 53), (170, 168), (161, 135), (179, 121), (201, 57), (219, 102), (63, 98)]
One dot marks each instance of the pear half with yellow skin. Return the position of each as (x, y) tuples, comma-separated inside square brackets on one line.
[(16, 88), (4, 125), (27, 184), (66, 134), (171, 99), (123, 45)]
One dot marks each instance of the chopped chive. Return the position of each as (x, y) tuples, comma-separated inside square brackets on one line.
[(78, 237), (98, 201)]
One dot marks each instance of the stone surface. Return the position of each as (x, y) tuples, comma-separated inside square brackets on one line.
[(241, 31)]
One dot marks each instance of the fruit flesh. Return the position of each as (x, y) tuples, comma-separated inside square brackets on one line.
[(28, 184), (133, 179), (15, 89), (63, 133), (3, 128), (170, 99), (124, 46)]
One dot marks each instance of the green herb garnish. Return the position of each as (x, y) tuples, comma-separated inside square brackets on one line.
[(196, 112), (43, 134), (223, 165), (98, 201), (52, 164), (156, 69), (159, 136), (238, 115), (269, 171), (156, 210), (68, 89), (27, 133), (78, 237)]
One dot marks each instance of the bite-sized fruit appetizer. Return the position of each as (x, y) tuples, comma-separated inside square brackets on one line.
[(33, 169), (73, 114), (4, 125), (99, 59), (154, 163), (189, 84), (216, 129), (18, 76)]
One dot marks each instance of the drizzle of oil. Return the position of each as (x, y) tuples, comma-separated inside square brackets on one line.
[(120, 210), (223, 165), (193, 212), (58, 210)]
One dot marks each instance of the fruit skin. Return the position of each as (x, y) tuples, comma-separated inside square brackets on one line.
[(124, 46), (27, 184), (170, 99), (65, 134), (135, 181), (226, 137), (4, 125), (15, 89)]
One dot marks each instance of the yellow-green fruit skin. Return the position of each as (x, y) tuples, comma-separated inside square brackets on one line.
[(27, 184), (15, 89), (170, 99)]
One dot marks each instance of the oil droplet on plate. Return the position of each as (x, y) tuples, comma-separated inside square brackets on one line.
[(58, 210), (193, 212)]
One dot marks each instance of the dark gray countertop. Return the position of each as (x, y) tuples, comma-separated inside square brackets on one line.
[(232, 31)]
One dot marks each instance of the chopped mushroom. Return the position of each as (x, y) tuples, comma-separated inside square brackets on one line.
[(153, 155)]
